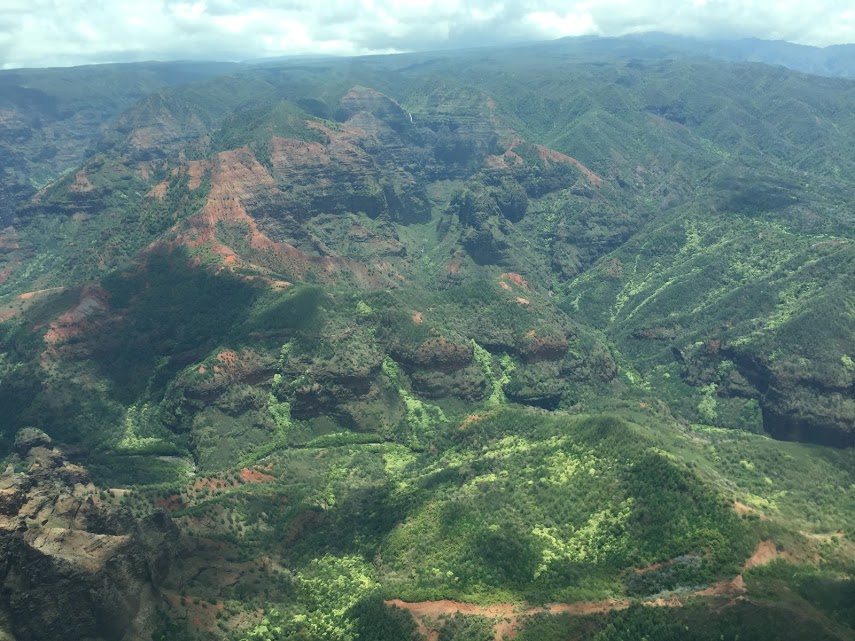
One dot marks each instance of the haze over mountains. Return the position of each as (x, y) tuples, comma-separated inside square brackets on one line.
[(345, 344)]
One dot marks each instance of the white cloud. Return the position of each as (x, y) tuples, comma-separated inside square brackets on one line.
[(557, 25), (61, 32)]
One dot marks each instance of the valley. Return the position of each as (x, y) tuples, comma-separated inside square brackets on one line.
[(550, 342)]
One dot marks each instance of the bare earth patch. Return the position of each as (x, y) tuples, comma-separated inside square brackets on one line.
[(742, 509), (765, 553), (254, 476), (516, 279)]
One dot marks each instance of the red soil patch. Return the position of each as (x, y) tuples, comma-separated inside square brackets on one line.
[(158, 191), (550, 155), (9, 243), (508, 159), (228, 357), (723, 588), (213, 484), (472, 418), (765, 553), (742, 509), (495, 162), (141, 139), (230, 260), (525, 302), (418, 319), (144, 171), (287, 152), (236, 177), (196, 171), (254, 476), (452, 267), (81, 184), (79, 320), (504, 285), (237, 180), (516, 279)]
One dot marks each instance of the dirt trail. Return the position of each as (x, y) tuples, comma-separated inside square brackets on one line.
[(39, 292), (507, 616)]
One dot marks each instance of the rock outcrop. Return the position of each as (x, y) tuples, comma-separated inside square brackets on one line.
[(797, 405), (72, 566)]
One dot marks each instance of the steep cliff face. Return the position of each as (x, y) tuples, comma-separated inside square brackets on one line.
[(71, 565), (799, 403)]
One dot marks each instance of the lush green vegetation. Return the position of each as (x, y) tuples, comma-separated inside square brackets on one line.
[(523, 505)]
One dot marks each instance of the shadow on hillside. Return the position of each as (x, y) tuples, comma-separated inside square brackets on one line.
[(173, 314)]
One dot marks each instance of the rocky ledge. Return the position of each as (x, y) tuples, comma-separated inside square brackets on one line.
[(73, 566)]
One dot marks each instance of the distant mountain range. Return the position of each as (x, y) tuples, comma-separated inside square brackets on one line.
[(834, 60)]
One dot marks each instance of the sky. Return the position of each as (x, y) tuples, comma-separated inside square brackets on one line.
[(38, 33)]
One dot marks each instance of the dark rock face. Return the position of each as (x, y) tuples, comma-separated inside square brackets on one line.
[(796, 406), (439, 354), (826, 417), (12, 196), (30, 437), (71, 565), (467, 383)]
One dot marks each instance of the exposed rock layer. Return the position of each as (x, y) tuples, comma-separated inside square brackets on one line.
[(71, 565)]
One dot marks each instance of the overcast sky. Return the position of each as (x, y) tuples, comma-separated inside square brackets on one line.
[(64, 32)]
